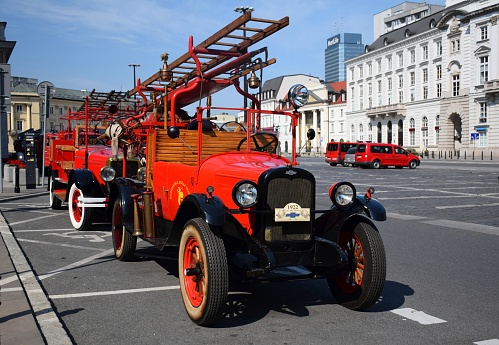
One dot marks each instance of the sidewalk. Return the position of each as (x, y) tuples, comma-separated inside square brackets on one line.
[(20, 291)]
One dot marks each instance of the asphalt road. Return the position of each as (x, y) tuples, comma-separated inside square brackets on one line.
[(441, 240)]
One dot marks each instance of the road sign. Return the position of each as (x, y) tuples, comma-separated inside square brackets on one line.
[(42, 89), (475, 136)]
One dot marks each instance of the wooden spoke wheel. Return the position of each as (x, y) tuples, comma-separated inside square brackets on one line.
[(124, 243)]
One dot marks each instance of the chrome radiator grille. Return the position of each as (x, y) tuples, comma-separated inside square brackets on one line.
[(280, 192)]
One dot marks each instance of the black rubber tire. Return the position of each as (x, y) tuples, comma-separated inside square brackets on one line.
[(376, 164), (205, 294), (332, 164), (81, 217), (412, 164), (366, 252), (55, 202), (124, 243)]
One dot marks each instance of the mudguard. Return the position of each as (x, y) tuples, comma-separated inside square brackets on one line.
[(85, 181), (374, 208), (211, 209), (123, 188)]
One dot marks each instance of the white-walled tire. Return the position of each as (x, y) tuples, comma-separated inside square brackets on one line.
[(81, 217)]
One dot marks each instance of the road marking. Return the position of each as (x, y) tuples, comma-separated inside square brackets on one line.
[(34, 219), (79, 235), (464, 206), (480, 228), (44, 230), (57, 244), (418, 316), (114, 292), (403, 216), (487, 342)]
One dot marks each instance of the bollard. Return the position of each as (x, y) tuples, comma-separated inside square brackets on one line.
[(16, 180)]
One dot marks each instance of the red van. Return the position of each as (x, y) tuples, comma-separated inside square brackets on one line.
[(335, 152), (377, 155)]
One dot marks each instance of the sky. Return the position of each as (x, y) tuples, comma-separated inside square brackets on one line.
[(85, 45)]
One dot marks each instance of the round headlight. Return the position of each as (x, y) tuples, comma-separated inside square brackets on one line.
[(298, 95), (107, 174), (141, 174), (245, 194), (342, 194)]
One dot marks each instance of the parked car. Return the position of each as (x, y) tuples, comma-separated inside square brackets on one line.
[(350, 156), (377, 155), (335, 152)]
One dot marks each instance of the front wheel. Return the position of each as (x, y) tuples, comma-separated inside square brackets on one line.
[(203, 272), (81, 217), (55, 202), (376, 164), (361, 283), (124, 243), (412, 164)]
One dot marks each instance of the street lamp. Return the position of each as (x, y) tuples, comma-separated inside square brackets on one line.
[(243, 10), (134, 65)]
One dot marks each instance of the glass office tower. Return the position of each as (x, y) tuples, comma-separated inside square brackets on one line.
[(340, 48)]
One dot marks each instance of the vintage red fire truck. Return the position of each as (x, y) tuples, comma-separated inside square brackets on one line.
[(226, 199)]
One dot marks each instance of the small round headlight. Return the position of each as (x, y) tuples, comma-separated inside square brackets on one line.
[(298, 95), (342, 194), (107, 174), (141, 174), (245, 194)]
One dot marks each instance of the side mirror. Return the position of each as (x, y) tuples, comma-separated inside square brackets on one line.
[(310, 134), (173, 132)]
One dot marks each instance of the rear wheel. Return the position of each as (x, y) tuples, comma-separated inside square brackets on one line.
[(81, 217), (412, 164), (203, 272), (332, 164), (124, 243), (376, 164), (55, 202), (361, 283)]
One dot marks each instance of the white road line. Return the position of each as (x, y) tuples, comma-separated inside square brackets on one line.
[(403, 216), (484, 229), (465, 206), (418, 316), (114, 292), (45, 230), (34, 219), (487, 342), (57, 244)]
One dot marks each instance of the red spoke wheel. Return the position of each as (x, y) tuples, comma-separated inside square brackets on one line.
[(81, 217), (203, 272), (124, 243), (361, 283)]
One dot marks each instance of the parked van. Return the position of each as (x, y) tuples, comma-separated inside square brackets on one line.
[(335, 152), (377, 155)]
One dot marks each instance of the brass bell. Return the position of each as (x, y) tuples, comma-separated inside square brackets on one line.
[(253, 81)]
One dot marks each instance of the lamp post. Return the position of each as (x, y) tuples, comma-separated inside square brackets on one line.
[(243, 10), (134, 65)]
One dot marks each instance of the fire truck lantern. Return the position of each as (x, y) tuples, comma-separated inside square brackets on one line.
[(253, 81)]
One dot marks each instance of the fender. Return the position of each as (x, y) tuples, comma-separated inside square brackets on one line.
[(212, 210), (123, 188), (86, 182), (373, 208)]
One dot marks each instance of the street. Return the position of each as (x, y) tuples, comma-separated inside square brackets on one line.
[(441, 241)]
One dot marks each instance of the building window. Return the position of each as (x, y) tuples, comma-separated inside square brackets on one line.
[(413, 95), (361, 132), (483, 112), (455, 45), (370, 102), (455, 85), (60, 111), (425, 75), (52, 126), (389, 60), (425, 92), (401, 59), (379, 86), (51, 111), (413, 78), (413, 56), (412, 132), (484, 69), (19, 125), (439, 90), (439, 72), (424, 132), (370, 88), (484, 35), (352, 75), (437, 129), (401, 81), (425, 52), (389, 84), (370, 69), (389, 98), (379, 66), (19, 108), (483, 139), (439, 48), (361, 72), (361, 90), (401, 96), (370, 132)]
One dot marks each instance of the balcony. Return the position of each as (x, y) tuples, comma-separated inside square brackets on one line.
[(386, 110)]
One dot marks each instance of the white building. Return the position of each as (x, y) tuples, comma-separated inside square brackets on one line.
[(431, 84)]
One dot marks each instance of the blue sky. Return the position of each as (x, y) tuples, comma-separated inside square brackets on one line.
[(89, 44)]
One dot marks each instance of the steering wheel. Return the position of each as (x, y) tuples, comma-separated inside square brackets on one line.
[(263, 141), (232, 126)]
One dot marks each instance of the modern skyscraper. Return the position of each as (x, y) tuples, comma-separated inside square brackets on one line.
[(340, 48)]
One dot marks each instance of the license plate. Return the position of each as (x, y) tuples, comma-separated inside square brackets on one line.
[(292, 212)]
